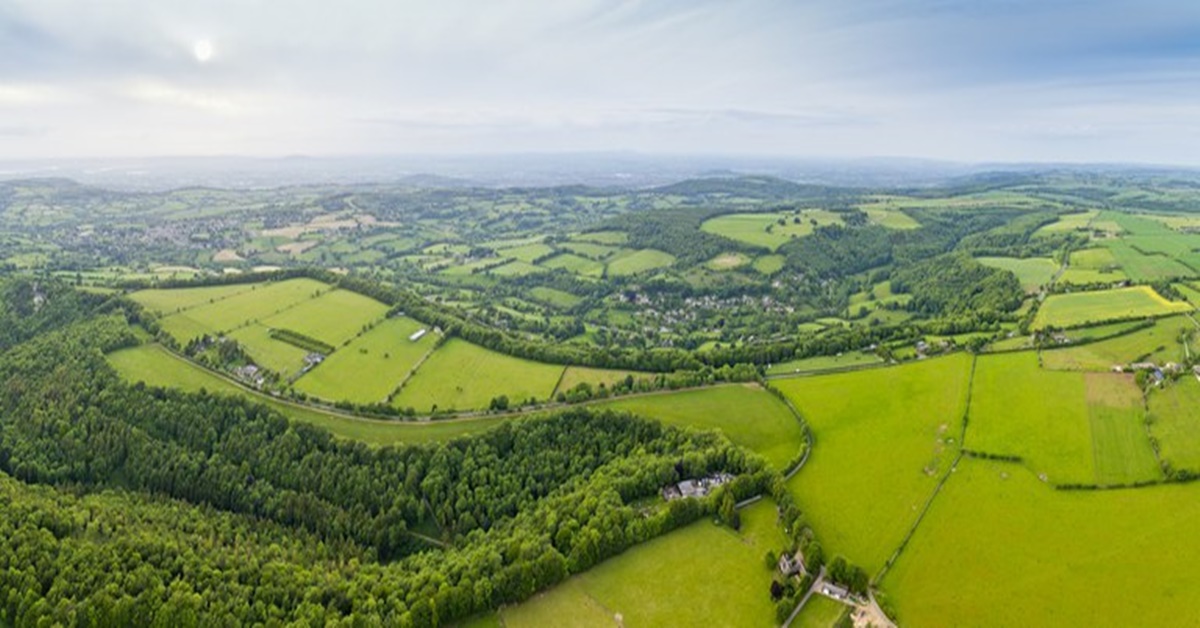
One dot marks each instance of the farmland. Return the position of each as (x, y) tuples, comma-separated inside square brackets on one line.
[(576, 375), (667, 582), (634, 262), (748, 415), (1082, 308), (241, 308), (462, 376), (333, 318), (851, 359), (1158, 343), (1093, 546), (769, 230), (883, 438), (1175, 424), (372, 366), (1032, 272)]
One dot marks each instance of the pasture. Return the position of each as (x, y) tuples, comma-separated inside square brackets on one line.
[(554, 298), (1158, 343), (1120, 444), (727, 261), (371, 366), (527, 252), (820, 612), (1096, 265), (769, 264), (1081, 308), (604, 237), (747, 414), (268, 352), (1033, 272), (1069, 222), (1175, 423), (333, 318), (849, 359), (575, 264), (634, 262), (175, 300), (883, 440), (1142, 267), (576, 375), (241, 309), (700, 575), (463, 376), (1065, 558), (769, 230)]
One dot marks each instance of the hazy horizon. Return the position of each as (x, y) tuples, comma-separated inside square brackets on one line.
[(1006, 81)]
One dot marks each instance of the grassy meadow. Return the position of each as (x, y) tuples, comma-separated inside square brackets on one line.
[(332, 318), (849, 359), (462, 376), (1081, 308), (765, 230), (634, 262), (1158, 343), (371, 366), (1174, 422), (1033, 272), (883, 438), (241, 309)]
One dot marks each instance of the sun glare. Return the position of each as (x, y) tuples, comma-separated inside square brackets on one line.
[(203, 50)]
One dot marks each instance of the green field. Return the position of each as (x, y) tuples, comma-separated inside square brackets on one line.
[(727, 261), (604, 237), (1048, 558), (764, 230), (333, 318), (1158, 344), (172, 301), (820, 612), (591, 250), (515, 268), (633, 262), (575, 375), (701, 575), (883, 438), (1041, 416), (155, 366), (462, 376), (555, 298), (241, 309), (1081, 308), (825, 363), (1142, 267), (1032, 272), (267, 352), (528, 252), (1069, 222), (886, 216), (1089, 266), (575, 264), (1175, 423), (371, 366), (769, 264), (1120, 443), (748, 415)]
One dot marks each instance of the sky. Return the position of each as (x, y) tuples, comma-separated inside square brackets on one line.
[(979, 81)]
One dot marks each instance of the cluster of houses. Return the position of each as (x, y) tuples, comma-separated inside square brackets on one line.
[(695, 488), (250, 374), (1157, 373)]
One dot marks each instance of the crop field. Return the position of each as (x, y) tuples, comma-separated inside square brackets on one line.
[(462, 376), (769, 264), (241, 309), (631, 263), (1096, 265), (883, 440), (1081, 308), (172, 301), (1066, 558), (765, 230), (1120, 444), (268, 352), (747, 414), (1032, 272), (155, 366), (1041, 416), (575, 375), (333, 318), (1142, 267), (371, 366), (825, 363), (1175, 423), (1158, 343), (668, 582)]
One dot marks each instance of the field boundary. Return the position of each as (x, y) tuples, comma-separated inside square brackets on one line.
[(917, 523)]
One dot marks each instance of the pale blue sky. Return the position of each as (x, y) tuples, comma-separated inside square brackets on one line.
[(1001, 80)]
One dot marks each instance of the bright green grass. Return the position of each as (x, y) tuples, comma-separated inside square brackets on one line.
[(820, 612), (1120, 444), (575, 264), (556, 298), (824, 363), (1175, 422), (1042, 416), (171, 301), (727, 261), (883, 439), (747, 414), (701, 575), (769, 264), (1093, 259), (1042, 557), (1191, 294), (462, 376), (604, 237), (1142, 267), (575, 375), (515, 269), (371, 366), (155, 366), (1033, 272), (1069, 222), (1084, 276), (252, 306), (1080, 308), (633, 262), (276, 355), (591, 250), (764, 229), (333, 318), (1158, 344), (477, 266), (892, 218), (1090, 266), (528, 252)]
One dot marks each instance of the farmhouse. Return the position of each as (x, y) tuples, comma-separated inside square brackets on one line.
[(417, 335), (695, 488), (791, 564), (829, 589)]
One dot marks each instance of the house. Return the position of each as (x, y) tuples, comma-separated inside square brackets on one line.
[(314, 359), (829, 589), (791, 564), (417, 335)]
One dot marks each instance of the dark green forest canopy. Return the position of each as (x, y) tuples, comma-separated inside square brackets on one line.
[(413, 535)]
